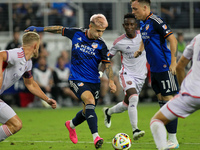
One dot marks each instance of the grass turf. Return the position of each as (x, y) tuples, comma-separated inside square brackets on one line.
[(43, 129)]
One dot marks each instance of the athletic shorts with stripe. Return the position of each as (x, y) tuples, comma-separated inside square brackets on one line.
[(165, 83), (6, 112), (78, 87), (180, 106)]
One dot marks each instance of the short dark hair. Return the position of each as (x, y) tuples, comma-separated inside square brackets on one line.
[(143, 1), (129, 15)]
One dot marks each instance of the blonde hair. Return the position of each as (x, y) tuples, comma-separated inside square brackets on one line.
[(99, 20), (30, 37)]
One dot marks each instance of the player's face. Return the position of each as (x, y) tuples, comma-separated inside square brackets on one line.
[(130, 26), (95, 32), (138, 10)]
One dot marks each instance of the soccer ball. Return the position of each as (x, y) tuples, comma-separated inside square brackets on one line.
[(121, 141)]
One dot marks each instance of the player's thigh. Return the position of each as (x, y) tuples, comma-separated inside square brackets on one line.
[(182, 106), (6, 112), (164, 83), (88, 98), (160, 116)]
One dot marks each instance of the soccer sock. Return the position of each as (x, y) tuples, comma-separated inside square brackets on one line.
[(159, 133), (95, 135), (118, 108), (78, 119), (132, 111), (4, 132), (91, 118), (171, 126)]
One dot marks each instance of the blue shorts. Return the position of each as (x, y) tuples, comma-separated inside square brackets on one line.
[(164, 82), (78, 87)]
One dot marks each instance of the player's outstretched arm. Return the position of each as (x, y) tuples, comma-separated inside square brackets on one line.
[(109, 73), (34, 88), (140, 50), (180, 69), (52, 29)]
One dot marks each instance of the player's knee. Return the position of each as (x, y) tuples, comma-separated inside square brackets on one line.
[(90, 101), (15, 126)]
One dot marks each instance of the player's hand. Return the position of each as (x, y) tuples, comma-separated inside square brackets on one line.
[(137, 53), (112, 86), (35, 29), (52, 102), (172, 68)]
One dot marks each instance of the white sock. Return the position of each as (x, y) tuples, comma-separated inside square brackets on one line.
[(159, 133), (132, 111), (172, 138), (95, 135), (118, 108), (72, 125), (4, 132)]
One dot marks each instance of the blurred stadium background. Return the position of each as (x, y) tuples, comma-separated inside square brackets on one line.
[(181, 15)]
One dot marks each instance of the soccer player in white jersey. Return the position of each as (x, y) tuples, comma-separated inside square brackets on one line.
[(188, 99), (132, 74), (14, 64)]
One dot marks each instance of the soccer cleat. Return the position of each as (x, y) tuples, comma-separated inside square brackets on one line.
[(172, 145), (72, 132), (138, 134), (98, 142), (107, 120)]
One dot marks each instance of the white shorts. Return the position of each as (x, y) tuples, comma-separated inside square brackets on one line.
[(128, 81), (180, 106), (6, 112)]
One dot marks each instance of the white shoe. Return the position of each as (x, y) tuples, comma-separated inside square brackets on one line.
[(172, 145), (107, 118), (138, 134)]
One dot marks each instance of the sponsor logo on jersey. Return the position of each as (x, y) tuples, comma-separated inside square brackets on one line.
[(94, 45), (164, 26), (129, 82), (147, 27), (80, 84)]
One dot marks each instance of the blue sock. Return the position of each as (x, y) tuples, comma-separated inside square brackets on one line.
[(171, 126), (80, 117), (91, 117)]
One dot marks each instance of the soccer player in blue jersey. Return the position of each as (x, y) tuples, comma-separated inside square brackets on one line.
[(88, 50), (155, 32)]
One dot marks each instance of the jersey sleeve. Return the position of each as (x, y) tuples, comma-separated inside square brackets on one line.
[(113, 50), (11, 56), (105, 55), (68, 32), (188, 52), (162, 28)]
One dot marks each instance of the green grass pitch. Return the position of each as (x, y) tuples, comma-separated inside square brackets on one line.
[(43, 129)]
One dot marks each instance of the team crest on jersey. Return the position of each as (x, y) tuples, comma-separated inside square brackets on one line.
[(129, 82), (94, 45), (164, 26), (164, 66), (80, 84), (147, 26)]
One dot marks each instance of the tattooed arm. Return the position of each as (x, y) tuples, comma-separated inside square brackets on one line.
[(52, 29), (109, 73)]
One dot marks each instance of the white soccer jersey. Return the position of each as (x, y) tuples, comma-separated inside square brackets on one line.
[(15, 67), (127, 47), (191, 83)]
